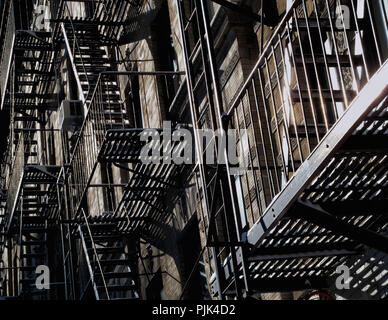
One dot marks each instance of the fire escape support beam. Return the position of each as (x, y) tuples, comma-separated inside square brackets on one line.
[(191, 100), (246, 12), (221, 120), (370, 96), (284, 284), (368, 144), (304, 251), (315, 214)]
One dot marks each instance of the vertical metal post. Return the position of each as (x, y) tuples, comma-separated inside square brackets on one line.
[(219, 110), (197, 138)]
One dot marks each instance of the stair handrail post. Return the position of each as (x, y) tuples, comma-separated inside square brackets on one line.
[(94, 251), (88, 262), (76, 44)]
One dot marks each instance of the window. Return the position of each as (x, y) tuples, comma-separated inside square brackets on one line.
[(190, 246), (166, 57), (51, 149), (133, 102)]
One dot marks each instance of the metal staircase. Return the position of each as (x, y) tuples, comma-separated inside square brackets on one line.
[(207, 112), (316, 104), (32, 219), (89, 59), (31, 203), (112, 260), (33, 253)]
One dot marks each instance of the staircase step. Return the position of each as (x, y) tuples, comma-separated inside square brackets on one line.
[(25, 212), (33, 230), (326, 94), (118, 275), (85, 86), (117, 104), (28, 269), (118, 287), (102, 225), (32, 255), (93, 60), (90, 52), (332, 60), (33, 219), (108, 250), (34, 243), (115, 262), (105, 238), (91, 69), (36, 192)]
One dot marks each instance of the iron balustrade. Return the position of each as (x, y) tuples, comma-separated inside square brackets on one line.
[(14, 186), (7, 47), (106, 111), (316, 62), (308, 74)]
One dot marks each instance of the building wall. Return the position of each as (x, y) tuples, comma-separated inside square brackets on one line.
[(164, 268)]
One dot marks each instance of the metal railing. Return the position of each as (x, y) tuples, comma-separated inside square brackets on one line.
[(311, 69), (122, 12), (94, 261), (16, 176), (106, 111), (73, 49), (6, 51)]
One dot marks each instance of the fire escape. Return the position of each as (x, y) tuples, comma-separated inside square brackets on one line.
[(315, 107), (32, 207), (109, 240)]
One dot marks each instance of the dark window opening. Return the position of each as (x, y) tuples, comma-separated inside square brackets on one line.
[(166, 58), (196, 288), (109, 192), (133, 102), (155, 290), (51, 149)]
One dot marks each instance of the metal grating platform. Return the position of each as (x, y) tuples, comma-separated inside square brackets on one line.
[(122, 146), (37, 196), (34, 41), (143, 200), (339, 213)]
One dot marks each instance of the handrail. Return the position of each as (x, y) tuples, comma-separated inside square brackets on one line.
[(119, 73), (295, 94), (88, 263), (96, 256), (99, 121), (76, 43), (264, 53), (73, 64)]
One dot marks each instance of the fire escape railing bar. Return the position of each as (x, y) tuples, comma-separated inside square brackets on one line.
[(95, 255), (278, 67), (357, 111), (306, 77), (94, 128)]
